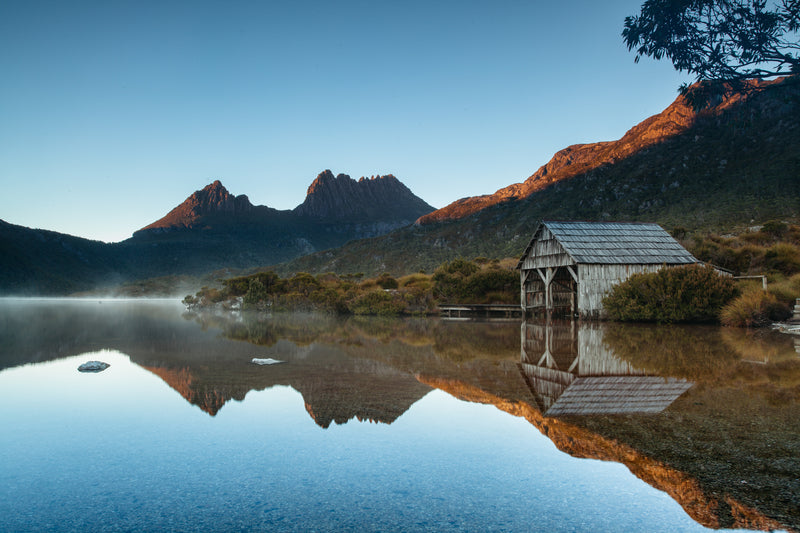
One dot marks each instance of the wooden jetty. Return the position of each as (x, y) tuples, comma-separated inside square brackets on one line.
[(484, 311)]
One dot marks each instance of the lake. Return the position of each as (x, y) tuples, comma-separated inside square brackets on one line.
[(371, 424)]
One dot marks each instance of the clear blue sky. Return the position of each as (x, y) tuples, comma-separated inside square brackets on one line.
[(113, 112)]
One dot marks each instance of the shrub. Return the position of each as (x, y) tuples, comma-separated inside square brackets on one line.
[(302, 283), (378, 303), (422, 281), (464, 281), (783, 258), (692, 293), (786, 290), (241, 285), (385, 281), (753, 309), (256, 293), (491, 286), (458, 267), (775, 228)]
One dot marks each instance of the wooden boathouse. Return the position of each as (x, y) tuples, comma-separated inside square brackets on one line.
[(570, 266)]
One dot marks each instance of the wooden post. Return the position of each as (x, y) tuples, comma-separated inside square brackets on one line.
[(547, 277), (574, 303), (523, 290)]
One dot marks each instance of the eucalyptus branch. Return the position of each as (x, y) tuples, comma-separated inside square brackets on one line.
[(719, 42)]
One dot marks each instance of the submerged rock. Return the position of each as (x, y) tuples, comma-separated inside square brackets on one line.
[(93, 366), (267, 361)]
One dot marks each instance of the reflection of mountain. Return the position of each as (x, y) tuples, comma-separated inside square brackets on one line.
[(703, 506), (725, 449), (206, 369), (335, 388), (571, 372)]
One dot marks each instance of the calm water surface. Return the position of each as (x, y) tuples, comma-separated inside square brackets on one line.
[(389, 425)]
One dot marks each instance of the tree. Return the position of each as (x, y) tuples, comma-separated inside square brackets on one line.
[(723, 43)]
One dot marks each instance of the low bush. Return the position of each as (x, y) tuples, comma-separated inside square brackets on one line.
[(378, 303), (754, 308), (692, 293), (774, 248), (462, 281), (786, 290), (783, 258)]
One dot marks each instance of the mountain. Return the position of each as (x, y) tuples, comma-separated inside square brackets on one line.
[(378, 198), (213, 200), (733, 165), (579, 159), (211, 230)]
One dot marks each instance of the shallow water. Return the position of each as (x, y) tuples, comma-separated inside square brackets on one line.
[(380, 425)]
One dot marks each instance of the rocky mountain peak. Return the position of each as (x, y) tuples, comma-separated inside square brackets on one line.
[(212, 199), (374, 198)]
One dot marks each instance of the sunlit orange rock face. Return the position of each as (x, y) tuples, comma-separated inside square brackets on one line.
[(578, 159), (706, 509), (210, 401), (213, 198)]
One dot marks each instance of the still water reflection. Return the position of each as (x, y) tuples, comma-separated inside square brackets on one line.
[(389, 424)]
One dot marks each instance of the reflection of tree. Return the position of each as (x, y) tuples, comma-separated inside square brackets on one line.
[(453, 341), (770, 364), (696, 353), (760, 362), (266, 329)]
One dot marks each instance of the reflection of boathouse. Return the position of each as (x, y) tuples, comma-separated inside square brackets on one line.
[(571, 266), (570, 371)]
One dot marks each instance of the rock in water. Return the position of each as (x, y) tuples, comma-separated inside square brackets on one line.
[(267, 361), (93, 366)]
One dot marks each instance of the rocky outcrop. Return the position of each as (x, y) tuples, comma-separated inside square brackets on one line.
[(579, 159), (212, 199), (93, 366), (377, 198)]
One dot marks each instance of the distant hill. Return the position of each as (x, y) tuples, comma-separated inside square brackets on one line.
[(735, 164), (211, 230), (35, 261)]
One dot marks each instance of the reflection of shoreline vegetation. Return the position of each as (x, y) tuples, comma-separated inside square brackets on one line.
[(478, 281), (711, 355), (452, 341)]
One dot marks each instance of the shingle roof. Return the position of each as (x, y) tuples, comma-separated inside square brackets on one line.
[(618, 394), (559, 392), (618, 243)]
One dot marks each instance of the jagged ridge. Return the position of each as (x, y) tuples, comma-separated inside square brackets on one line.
[(374, 198), (581, 158), (212, 199)]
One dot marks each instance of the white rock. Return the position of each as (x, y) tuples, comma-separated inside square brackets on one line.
[(267, 361)]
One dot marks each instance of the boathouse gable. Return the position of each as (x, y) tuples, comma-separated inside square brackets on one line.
[(571, 266)]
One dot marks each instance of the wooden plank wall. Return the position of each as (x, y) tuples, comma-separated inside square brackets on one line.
[(546, 252), (595, 281), (596, 358)]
